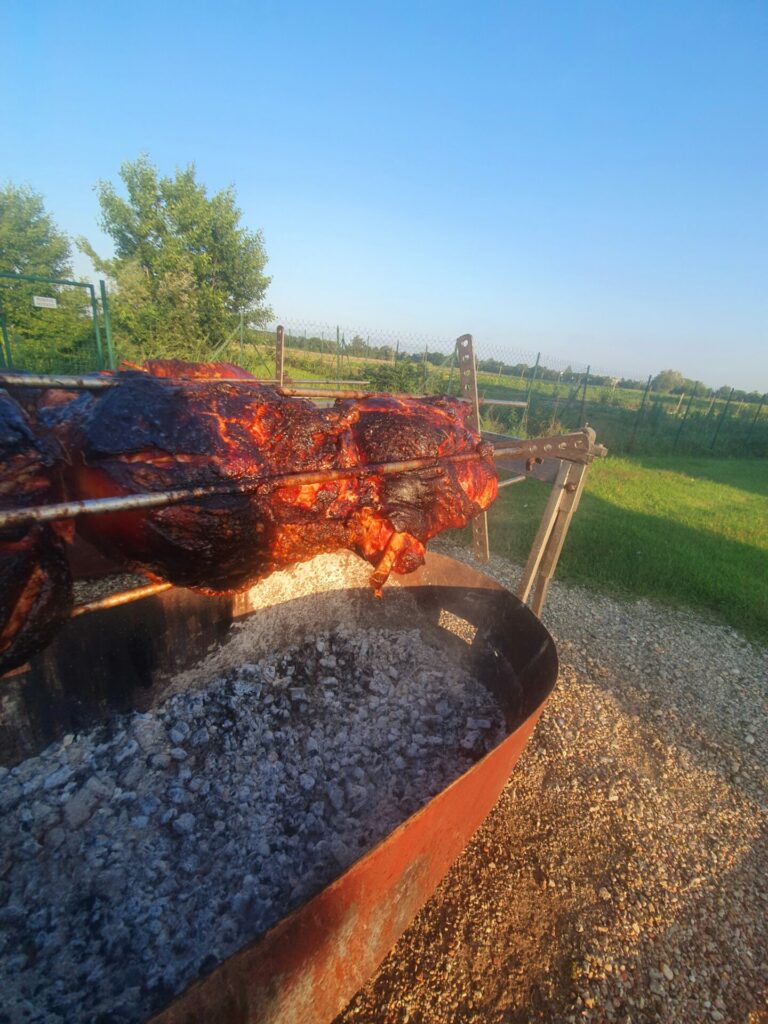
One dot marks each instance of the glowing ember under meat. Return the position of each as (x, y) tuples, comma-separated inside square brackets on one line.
[(35, 583), (162, 429)]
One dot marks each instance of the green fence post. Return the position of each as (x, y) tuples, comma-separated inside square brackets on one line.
[(639, 416), (6, 349), (720, 421), (96, 328), (685, 415), (524, 422), (107, 325), (754, 421), (584, 397)]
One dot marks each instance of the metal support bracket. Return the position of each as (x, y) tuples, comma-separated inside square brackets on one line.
[(465, 352), (542, 561)]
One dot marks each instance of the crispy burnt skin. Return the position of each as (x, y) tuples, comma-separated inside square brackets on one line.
[(160, 431), (35, 582)]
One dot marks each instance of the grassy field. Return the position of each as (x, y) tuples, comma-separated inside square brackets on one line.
[(681, 530)]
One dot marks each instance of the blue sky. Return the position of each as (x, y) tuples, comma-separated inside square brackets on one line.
[(589, 179)]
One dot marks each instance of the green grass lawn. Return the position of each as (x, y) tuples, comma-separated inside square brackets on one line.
[(684, 531)]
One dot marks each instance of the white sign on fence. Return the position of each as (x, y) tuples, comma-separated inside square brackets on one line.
[(44, 301)]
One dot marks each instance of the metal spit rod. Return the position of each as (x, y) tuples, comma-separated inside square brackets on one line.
[(74, 383), (157, 499), (119, 597), (577, 447)]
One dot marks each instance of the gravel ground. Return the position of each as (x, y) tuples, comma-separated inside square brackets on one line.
[(622, 875), (139, 854)]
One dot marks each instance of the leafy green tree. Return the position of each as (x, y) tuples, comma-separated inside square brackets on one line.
[(31, 243), (184, 266), (667, 380)]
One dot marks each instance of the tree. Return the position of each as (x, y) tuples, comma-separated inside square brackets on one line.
[(667, 380), (184, 267), (31, 243)]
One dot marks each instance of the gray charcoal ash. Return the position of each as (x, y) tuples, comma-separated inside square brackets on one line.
[(187, 831)]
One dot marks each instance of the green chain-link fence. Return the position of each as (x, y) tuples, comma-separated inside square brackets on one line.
[(53, 325)]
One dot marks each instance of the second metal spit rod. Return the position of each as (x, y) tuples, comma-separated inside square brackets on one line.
[(287, 390)]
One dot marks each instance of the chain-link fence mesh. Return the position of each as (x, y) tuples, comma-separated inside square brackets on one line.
[(627, 414), (47, 326), (561, 395)]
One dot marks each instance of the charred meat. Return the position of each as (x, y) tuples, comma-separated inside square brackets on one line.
[(165, 428), (35, 582)]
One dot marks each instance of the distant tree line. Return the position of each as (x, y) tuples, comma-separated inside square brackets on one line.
[(670, 382)]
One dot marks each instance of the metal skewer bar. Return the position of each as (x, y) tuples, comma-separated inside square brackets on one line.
[(158, 499), (72, 383), (120, 597), (575, 447), (287, 389)]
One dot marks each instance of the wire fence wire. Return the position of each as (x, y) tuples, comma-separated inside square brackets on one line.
[(629, 416), (47, 325)]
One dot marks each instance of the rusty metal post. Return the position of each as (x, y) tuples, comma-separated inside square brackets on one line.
[(550, 537), (280, 355), (639, 417), (584, 397), (543, 533), (754, 421), (685, 415), (720, 421), (577, 475), (465, 351)]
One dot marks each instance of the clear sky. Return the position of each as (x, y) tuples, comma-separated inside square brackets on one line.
[(589, 179)]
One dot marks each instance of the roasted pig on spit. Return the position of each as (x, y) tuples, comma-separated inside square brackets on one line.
[(170, 426), (35, 582), (163, 428)]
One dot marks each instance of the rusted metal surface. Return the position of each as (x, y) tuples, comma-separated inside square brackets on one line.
[(579, 446), (310, 964), (307, 968)]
